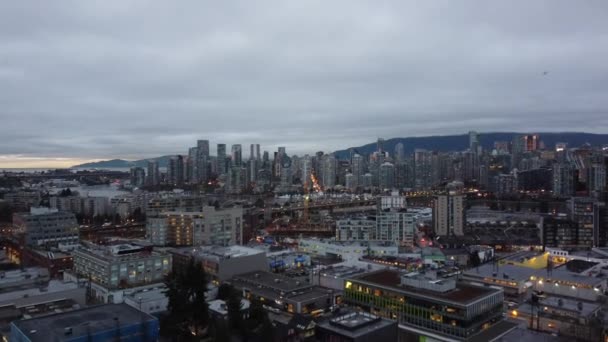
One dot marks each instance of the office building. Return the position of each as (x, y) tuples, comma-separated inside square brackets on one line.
[(449, 215), (22, 200), (107, 322), (121, 265), (306, 171), (46, 227), (220, 263), (283, 293), (355, 229), (427, 306)]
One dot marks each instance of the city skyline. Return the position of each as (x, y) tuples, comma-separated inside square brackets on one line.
[(100, 81)]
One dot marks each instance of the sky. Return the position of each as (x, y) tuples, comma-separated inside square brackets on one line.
[(91, 80)]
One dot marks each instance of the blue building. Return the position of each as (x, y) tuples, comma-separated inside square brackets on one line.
[(108, 322)]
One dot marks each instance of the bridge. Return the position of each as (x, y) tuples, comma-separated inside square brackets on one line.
[(66, 175), (135, 231)]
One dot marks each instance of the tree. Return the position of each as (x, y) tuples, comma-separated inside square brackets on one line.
[(234, 307), (224, 291), (474, 259), (218, 330), (259, 203), (188, 312)]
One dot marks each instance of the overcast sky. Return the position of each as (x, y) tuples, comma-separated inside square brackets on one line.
[(84, 80)]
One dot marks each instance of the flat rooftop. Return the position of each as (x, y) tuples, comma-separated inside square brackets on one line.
[(148, 294), (272, 280), (94, 319), (53, 286), (9, 278), (356, 324), (462, 294), (219, 252)]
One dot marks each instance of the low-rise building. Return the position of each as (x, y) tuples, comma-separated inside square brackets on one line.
[(284, 293), (46, 227), (443, 309), (347, 249), (220, 263), (357, 327), (98, 323), (122, 265)]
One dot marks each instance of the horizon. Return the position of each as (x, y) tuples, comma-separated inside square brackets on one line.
[(96, 81), (43, 163)]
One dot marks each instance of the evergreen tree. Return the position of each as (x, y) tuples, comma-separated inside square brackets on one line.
[(235, 315), (188, 312)]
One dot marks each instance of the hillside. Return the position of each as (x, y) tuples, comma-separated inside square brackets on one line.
[(438, 143), (461, 142)]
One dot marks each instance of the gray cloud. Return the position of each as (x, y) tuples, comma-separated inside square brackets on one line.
[(142, 78)]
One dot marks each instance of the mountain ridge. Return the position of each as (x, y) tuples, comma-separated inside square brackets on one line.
[(457, 142)]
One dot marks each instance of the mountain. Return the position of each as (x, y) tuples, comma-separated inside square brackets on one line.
[(461, 142), (438, 143), (121, 163)]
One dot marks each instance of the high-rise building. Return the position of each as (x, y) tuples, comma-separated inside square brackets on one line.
[(563, 179), (403, 175), (257, 152), (358, 170), (252, 152), (473, 141), (399, 152), (138, 177), (531, 142), (202, 161), (153, 177), (387, 176), (237, 155), (306, 171), (203, 147), (596, 179), (423, 160), (175, 171), (329, 170), (221, 159), (380, 147), (193, 165), (449, 215)]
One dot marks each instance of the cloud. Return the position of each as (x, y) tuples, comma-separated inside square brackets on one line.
[(142, 78)]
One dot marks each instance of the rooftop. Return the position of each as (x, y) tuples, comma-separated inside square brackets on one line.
[(93, 319), (274, 281), (461, 294), (52, 287), (356, 324), (219, 252), (148, 293), (9, 278), (219, 306)]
